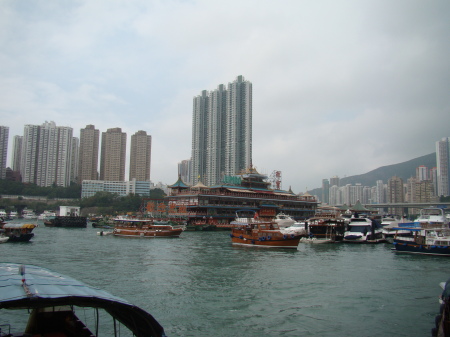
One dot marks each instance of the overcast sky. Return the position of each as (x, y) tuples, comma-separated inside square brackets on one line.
[(339, 87)]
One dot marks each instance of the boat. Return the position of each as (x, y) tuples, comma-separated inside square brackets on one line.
[(3, 237), (442, 320), (256, 232), (426, 239), (363, 230), (47, 215), (13, 215), (390, 229), (325, 230), (67, 222), (28, 214), (145, 228), (18, 232), (54, 304), (432, 215), (284, 220)]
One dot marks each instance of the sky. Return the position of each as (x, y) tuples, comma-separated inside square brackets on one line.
[(339, 87)]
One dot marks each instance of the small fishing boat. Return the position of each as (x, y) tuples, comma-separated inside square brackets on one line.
[(426, 239), (54, 305), (363, 230), (255, 232), (145, 228), (18, 232)]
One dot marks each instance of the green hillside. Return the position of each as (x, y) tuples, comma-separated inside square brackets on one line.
[(403, 170)]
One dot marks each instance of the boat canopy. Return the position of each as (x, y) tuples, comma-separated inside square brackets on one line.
[(44, 288), (19, 225)]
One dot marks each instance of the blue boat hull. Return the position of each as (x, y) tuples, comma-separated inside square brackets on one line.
[(415, 248)]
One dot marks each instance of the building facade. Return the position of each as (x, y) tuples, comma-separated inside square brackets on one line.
[(113, 155), (222, 132), (443, 166), (46, 157), (88, 154), (184, 170), (122, 188), (17, 153), (140, 156), (4, 136), (395, 195)]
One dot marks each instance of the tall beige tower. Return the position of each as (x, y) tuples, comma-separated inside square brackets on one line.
[(88, 155), (112, 158), (140, 156)]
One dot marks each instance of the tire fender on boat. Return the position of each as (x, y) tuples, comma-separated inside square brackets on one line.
[(285, 236)]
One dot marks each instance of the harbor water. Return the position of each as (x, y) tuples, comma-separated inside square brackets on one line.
[(201, 285)]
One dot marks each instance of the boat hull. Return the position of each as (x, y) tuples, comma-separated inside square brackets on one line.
[(21, 238), (67, 222), (148, 233), (285, 241), (404, 246)]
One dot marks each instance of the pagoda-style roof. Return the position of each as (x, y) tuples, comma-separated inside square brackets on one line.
[(179, 184), (199, 185), (358, 207)]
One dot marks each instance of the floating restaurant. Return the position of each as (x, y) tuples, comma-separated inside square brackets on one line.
[(216, 206)]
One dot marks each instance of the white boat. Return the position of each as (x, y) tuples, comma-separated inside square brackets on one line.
[(432, 215), (47, 215), (13, 215), (363, 230), (325, 230), (28, 214), (3, 237), (283, 220)]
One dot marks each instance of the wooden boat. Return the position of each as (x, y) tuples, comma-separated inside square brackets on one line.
[(145, 228), (54, 304), (18, 232), (427, 239), (261, 233)]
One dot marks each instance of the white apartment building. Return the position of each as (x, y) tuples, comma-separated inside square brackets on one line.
[(443, 166), (122, 188)]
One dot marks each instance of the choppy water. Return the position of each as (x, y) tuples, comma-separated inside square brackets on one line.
[(201, 285)]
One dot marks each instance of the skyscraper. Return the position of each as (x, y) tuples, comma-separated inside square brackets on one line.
[(140, 156), (395, 194), (4, 134), (113, 155), (75, 159), (222, 132), (47, 154), (88, 155), (443, 166), (17, 153)]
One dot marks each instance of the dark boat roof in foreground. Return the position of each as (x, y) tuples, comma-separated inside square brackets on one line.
[(45, 288)]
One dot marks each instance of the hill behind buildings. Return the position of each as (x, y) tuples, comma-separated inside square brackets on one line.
[(403, 170)]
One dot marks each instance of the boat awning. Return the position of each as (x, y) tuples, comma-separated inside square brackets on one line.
[(407, 229), (19, 225), (238, 190), (44, 288)]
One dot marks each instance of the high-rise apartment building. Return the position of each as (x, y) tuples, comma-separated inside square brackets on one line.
[(222, 132), (4, 136), (443, 166), (17, 153), (47, 154), (184, 170), (422, 173), (113, 155), (140, 156), (75, 159), (88, 154), (335, 181), (396, 194), (325, 191)]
